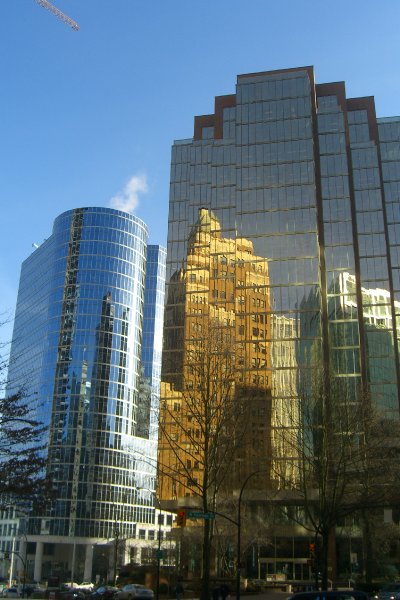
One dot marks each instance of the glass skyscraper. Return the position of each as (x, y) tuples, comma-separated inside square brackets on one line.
[(88, 296), (305, 185)]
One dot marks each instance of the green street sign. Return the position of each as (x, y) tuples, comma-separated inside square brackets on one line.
[(197, 514), (159, 554)]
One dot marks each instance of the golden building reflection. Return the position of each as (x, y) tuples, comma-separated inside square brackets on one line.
[(218, 302)]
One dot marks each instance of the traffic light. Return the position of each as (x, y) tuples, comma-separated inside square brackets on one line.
[(6, 555), (311, 549), (181, 518)]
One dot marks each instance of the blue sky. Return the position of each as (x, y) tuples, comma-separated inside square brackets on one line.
[(84, 113)]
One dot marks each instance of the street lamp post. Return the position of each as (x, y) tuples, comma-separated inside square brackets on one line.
[(158, 552), (239, 516), (23, 560), (157, 501), (117, 536)]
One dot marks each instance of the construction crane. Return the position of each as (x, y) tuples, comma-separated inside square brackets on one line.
[(57, 13)]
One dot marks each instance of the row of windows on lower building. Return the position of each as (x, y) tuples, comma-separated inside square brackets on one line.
[(152, 534), (49, 548), (9, 529)]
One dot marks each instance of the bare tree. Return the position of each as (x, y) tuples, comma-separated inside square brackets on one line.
[(202, 425), (340, 458), (378, 486), (255, 530)]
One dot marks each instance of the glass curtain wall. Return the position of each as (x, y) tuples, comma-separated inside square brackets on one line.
[(77, 347), (283, 208)]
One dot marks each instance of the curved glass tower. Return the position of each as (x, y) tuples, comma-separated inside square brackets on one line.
[(79, 321)]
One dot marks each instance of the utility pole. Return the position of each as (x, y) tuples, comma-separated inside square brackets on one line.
[(23, 561), (157, 502), (12, 563), (158, 553), (117, 536)]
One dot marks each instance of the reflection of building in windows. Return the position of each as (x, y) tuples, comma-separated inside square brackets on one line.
[(204, 297), (285, 414), (87, 299), (378, 331), (153, 318)]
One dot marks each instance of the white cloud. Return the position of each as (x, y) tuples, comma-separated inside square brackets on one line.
[(128, 199)]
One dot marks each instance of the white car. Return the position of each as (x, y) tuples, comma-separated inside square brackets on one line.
[(132, 591), (86, 585)]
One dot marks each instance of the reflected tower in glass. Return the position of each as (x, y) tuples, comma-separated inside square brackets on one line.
[(153, 319), (83, 315), (308, 181)]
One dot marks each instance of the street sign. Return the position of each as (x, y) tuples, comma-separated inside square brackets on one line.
[(159, 554), (197, 514)]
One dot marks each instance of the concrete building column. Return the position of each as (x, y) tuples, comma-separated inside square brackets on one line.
[(87, 573), (37, 573), (22, 560), (127, 553)]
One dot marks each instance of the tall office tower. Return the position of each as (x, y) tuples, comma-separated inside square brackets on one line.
[(309, 180), (77, 347)]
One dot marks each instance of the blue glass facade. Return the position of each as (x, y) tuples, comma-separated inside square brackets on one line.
[(77, 346)]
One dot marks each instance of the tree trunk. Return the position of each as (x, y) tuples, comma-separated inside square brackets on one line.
[(368, 548), (323, 562), (205, 587)]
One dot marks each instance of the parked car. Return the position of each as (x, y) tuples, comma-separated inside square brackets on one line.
[(11, 592), (39, 591), (104, 592), (330, 595), (29, 589), (86, 585), (69, 585), (391, 591), (132, 591)]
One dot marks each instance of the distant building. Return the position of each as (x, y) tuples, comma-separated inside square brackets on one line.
[(87, 295)]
